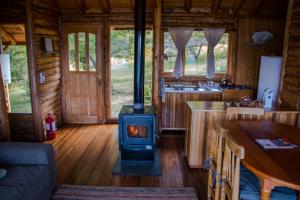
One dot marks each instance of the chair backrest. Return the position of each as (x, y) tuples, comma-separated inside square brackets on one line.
[(233, 154), (237, 113), (215, 160)]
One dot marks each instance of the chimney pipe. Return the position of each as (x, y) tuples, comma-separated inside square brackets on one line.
[(139, 54)]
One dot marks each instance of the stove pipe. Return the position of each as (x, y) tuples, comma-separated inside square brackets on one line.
[(139, 53)]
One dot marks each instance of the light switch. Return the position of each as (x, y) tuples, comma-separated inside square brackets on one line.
[(42, 78)]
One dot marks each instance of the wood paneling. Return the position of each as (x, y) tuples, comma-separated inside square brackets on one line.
[(243, 8), (199, 126), (290, 91), (45, 18), (248, 55), (174, 107), (85, 155)]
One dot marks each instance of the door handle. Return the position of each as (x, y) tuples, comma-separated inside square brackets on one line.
[(99, 77)]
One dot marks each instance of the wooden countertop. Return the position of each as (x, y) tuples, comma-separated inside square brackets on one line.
[(220, 106), (206, 105)]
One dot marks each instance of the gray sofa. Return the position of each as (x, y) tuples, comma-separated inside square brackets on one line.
[(31, 173)]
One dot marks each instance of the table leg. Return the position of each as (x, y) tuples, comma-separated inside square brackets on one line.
[(266, 187)]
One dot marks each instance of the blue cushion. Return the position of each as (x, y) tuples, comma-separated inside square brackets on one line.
[(25, 183), (250, 188)]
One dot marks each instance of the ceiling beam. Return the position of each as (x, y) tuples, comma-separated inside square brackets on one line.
[(215, 5), (237, 6), (81, 5), (105, 6), (188, 4), (7, 36), (22, 28), (256, 6)]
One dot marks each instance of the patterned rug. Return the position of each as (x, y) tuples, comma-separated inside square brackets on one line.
[(74, 192)]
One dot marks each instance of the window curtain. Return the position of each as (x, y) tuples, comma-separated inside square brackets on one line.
[(213, 36), (180, 37)]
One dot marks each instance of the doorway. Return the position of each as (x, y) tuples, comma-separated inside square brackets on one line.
[(82, 82), (121, 67)]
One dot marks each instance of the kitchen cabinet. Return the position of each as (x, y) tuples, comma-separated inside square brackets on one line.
[(173, 113)]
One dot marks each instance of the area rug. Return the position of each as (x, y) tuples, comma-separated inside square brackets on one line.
[(74, 192)]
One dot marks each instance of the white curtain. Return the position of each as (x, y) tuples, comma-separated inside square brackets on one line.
[(213, 36), (180, 37)]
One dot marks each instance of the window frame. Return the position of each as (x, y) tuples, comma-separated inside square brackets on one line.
[(218, 76)]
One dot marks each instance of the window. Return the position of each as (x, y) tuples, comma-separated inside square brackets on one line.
[(71, 41), (82, 49), (122, 61), (196, 54)]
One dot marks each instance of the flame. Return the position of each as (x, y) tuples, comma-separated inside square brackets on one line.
[(132, 130)]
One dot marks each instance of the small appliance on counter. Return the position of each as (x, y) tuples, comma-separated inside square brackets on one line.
[(225, 81), (268, 95)]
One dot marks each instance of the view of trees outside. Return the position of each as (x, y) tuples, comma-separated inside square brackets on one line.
[(196, 54), (82, 42), (122, 61), (19, 89)]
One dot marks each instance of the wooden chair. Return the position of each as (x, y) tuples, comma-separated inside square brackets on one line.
[(215, 160), (233, 153), (236, 113)]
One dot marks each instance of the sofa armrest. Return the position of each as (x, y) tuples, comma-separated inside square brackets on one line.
[(25, 153)]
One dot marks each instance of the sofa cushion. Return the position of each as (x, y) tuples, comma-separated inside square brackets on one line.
[(250, 188), (24, 182)]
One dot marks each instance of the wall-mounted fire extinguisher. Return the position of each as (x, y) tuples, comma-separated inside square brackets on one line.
[(50, 126)]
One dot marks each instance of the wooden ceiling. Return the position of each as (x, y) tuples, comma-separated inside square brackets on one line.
[(12, 34), (267, 8)]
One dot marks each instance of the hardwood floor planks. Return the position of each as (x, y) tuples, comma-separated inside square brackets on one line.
[(85, 155)]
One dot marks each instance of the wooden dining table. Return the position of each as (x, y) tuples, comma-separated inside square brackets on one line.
[(277, 167)]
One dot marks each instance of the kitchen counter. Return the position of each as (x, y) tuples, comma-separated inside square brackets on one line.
[(220, 106), (206, 105), (199, 117)]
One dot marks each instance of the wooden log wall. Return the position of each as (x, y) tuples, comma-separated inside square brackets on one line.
[(248, 56), (290, 92), (45, 22)]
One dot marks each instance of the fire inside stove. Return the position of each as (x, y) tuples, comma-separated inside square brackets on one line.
[(135, 131)]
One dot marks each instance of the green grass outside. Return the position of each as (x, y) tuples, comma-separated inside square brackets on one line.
[(19, 99)]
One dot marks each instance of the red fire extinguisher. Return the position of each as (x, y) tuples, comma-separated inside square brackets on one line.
[(51, 126)]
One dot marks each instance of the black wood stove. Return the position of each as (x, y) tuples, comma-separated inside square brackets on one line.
[(138, 123), (137, 133)]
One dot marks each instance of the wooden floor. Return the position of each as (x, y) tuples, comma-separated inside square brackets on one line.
[(85, 155)]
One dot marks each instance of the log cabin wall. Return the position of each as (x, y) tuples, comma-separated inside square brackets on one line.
[(45, 21), (248, 56), (290, 91)]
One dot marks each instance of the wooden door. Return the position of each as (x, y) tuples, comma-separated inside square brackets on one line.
[(82, 81)]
